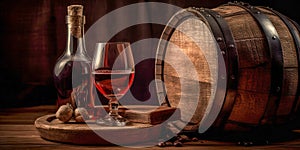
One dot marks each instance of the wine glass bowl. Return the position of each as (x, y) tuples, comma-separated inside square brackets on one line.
[(113, 74)]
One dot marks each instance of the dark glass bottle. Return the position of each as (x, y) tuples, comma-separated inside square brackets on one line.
[(72, 72)]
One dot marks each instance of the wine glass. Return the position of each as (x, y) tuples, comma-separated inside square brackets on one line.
[(113, 74)]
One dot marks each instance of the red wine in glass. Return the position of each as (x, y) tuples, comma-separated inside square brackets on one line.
[(113, 84), (113, 74)]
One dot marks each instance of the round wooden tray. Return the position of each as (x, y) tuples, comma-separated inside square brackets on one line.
[(90, 133)]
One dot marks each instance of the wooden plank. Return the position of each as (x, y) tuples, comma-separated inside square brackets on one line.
[(143, 113), (200, 145), (26, 115), (22, 127), (59, 147), (152, 148), (17, 134), (152, 116), (20, 133), (77, 133), (24, 141), (23, 116), (17, 122), (41, 108)]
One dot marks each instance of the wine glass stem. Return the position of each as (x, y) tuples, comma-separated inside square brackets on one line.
[(113, 108)]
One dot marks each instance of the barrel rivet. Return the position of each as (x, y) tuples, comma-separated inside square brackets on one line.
[(278, 89), (258, 12), (223, 52), (218, 16), (232, 77), (219, 39), (223, 77), (274, 37), (264, 121), (208, 15), (231, 45)]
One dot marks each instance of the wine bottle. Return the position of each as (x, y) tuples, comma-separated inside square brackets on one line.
[(72, 71)]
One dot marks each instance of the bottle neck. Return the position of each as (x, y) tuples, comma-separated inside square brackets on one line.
[(75, 40)]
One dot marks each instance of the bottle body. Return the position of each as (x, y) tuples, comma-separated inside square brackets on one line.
[(72, 71), (72, 80), (63, 80)]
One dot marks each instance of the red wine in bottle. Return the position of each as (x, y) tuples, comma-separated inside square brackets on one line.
[(63, 84), (72, 77)]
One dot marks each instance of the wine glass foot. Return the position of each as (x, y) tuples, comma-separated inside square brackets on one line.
[(108, 120)]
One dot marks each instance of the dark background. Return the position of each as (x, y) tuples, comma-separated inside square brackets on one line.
[(33, 33)]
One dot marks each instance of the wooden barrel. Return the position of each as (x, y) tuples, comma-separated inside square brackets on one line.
[(235, 67)]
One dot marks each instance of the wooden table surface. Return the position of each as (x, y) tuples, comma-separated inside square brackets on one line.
[(17, 131)]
